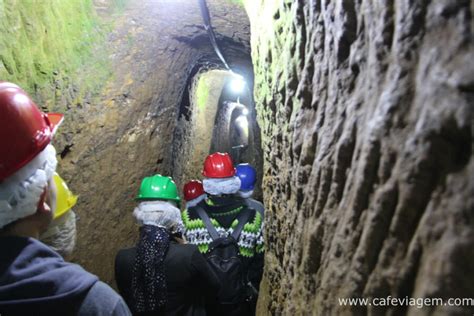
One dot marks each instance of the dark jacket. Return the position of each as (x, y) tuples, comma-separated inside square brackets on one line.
[(35, 280), (189, 279)]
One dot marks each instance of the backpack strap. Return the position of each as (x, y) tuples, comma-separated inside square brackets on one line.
[(207, 221), (254, 205), (242, 219)]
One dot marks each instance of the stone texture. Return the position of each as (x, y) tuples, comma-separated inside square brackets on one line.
[(367, 131), (48, 49)]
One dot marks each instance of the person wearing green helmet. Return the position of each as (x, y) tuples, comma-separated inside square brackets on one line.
[(162, 274)]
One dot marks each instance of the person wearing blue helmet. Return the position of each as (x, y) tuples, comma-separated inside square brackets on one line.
[(248, 176)]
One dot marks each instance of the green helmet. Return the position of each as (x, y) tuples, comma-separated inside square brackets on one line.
[(158, 187)]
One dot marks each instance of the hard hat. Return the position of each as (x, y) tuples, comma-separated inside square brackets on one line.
[(218, 165), (158, 187), (25, 130), (65, 199), (193, 189), (247, 175)]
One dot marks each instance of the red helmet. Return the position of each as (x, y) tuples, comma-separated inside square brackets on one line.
[(218, 165), (25, 130), (193, 189)]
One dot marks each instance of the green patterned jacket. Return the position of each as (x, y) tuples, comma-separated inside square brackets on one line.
[(223, 213)]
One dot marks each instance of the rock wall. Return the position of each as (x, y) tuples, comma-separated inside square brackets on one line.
[(367, 131), (48, 49)]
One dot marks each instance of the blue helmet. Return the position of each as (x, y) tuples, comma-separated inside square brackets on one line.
[(247, 175)]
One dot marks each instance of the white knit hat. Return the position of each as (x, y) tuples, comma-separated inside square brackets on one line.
[(245, 194), (61, 234), (161, 214), (21, 192), (217, 186), (194, 202)]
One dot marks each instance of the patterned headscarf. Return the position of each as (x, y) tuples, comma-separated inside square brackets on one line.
[(148, 282), (159, 219)]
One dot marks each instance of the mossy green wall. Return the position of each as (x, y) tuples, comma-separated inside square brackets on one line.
[(47, 46)]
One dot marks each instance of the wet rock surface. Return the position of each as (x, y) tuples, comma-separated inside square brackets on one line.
[(367, 130)]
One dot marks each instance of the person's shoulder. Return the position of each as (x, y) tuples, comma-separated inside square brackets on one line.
[(183, 248), (103, 300), (256, 202), (257, 205), (181, 254), (126, 251), (125, 255)]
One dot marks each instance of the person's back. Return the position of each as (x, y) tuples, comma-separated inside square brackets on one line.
[(189, 280), (225, 210), (35, 280)]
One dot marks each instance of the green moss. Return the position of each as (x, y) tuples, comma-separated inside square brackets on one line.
[(119, 5), (202, 92), (238, 2), (48, 43)]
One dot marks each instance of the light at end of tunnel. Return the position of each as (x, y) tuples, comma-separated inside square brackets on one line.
[(237, 85)]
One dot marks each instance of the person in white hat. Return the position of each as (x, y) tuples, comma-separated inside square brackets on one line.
[(34, 279)]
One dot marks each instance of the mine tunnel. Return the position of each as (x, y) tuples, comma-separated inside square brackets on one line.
[(357, 116)]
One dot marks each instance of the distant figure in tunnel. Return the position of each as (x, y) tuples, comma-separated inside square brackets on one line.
[(34, 279), (193, 192), (229, 233), (162, 275)]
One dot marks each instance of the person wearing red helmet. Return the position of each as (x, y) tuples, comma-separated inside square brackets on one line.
[(193, 192), (221, 223), (34, 279), (219, 173)]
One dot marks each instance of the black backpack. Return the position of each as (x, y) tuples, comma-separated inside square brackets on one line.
[(223, 257)]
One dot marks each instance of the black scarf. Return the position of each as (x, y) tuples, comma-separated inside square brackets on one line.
[(148, 282)]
